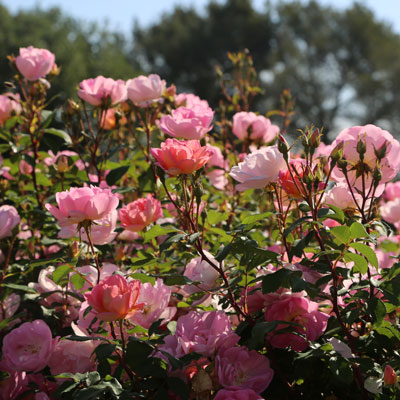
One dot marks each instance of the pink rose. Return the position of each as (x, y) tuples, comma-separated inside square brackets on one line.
[(9, 105), (237, 394), (143, 90), (140, 213), (341, 197), (239, 367), (114, 298), (390, 212), (178, 157), (256, 127), (9, 306), (293, 308), (392, 191), (80, 204), (100, 90), (374, 138), (9, 219), (155, 299), (390, 376), (188, 123), (190, 100), (258, 169), (28, 347), (34, 63), (75, 356)]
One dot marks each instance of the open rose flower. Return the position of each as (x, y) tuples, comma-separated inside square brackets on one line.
[(9, 105), (34, 63), (28, 347), (9, 219), (140, 213), (99, 90), (144, 90), (256, 127), (237, 394), (188, 123), (79, 204), (178, 157), (114, 298), (190, 100)]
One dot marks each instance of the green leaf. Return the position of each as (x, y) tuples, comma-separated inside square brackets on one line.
[(338, 214), (295, 224), (78, 281), (357, 231), (116, 174), (251, 219), (360, 263), (61, 134), (23, 288), (376, 308), (342, 233), (157, 230), (272, 282), (367, 252), (137, 353), (144, 278), (259, 331), (215, 217), (171, 239), (179, 387), (172, 280), (61, 272)]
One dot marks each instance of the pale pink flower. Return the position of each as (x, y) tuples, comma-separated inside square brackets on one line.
[(188, 123), (237, 394), (256, 127), (178, 157), (341, 197), (140, 213), (258, 169), (90, 273), (100, 90), (53, 158), (34, 63), (293, 308), (80, 204), (76, 357), (144, 90), (239, 367), (114, 298), (28, 347), (9, 219), (155, 299), (4, 170), (323, 150), (190, 100), (390, 211), (374, 138), (25, 168), (9, 106), (392, 191), (9, 306)]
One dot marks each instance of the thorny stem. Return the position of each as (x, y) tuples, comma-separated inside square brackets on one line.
[(87, 231)]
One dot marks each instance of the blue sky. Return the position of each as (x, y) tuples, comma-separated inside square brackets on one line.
[(119, 14)]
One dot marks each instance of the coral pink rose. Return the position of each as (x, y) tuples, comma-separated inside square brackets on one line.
[(290, 180), (237, 394), (239, 367), (389, 376), (114, 298), (34, 63), (140, 213), (80, 204), (100, 90), (28, 347), (144, 90), (256, 127), (178, 157), (188, 123), (9, 219), (258, 169), (9, 105)]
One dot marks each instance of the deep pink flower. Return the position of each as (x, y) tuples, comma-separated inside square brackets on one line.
[(237, 394), (34, 63), (178, 157), (80, 204), (239, 367), (140, 213), (188, 123), (9, 105), (28, 347), (13, 386), (256, 127), (258, 169), (144, 90), (114, 298), (100, 90), (9, 219)]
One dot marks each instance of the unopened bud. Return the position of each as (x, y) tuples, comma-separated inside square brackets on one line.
[(381, 152), (389, 376), (62, 164), (361, 148), (342, 164), (170, 91), (72, 107), (283, 147), (337, 152), (75, 249), (377, 176), (315, 138)]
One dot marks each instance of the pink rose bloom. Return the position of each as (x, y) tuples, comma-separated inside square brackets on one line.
[(90, 273), (392, 191), (155, 299), (9, 105), (9, 306), (293, 187), (203, 333), (199, 270), (80, 204), (374, 138), (28, 347), (190, 100), (100, 90), (101, 232), (256, 127), (114, 298), (188, 123), (25, 168), (258, 169), (75, 356), (390, 212), (239, 367), (389, 376), (217, 159), (323, 150), (237, 394), (178, 157), (341, 197), (53, 158), (293, 308), (9, 219), (140, 213), (34, 63), (144, 90), (4, 170)]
